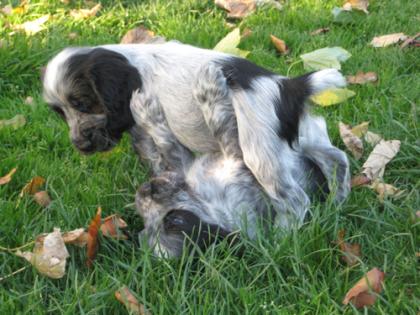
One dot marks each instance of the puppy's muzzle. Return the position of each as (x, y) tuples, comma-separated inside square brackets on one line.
[(90, 135)]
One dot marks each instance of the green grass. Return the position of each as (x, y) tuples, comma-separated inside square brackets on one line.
[(297, 274)]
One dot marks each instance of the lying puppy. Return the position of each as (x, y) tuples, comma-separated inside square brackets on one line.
[(207, 198), (91, 88)]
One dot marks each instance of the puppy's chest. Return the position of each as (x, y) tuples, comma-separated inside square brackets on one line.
[(186, 120)]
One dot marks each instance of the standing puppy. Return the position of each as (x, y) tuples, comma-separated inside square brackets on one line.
[(91, 88)]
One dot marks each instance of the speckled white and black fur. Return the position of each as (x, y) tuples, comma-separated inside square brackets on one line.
[(207, 198), (91, 87)]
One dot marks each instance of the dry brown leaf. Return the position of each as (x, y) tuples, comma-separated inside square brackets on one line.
[(319, 31), (351, 251), (280, 45), (362, 78), (85, 13), (372, 138), (418, 214), (361, 5), (33, 186), (76, 237), (360, 129), (360, 180), (34, 26), (141, 35), (361, 294), (237, 9), (8, 177), (92, 239), (42, 198), (352, 142), (386, 190), (382, 153), (49, 255), (127, 298), (411, 41), (7, 10), (386, 40), (111, 226)]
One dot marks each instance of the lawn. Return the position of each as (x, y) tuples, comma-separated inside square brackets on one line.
[(300, 273)]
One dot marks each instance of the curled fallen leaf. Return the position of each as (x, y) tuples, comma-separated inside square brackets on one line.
[(42, 198), (386, 40), (237, 9), (280, 45), (361, 294), (8, 177), (141, 35), (127, 298), (111, 226), (319, 31), (15, 122), (49, 255), (85, 13), (33, 186), (34, 26), (386, 190), (362, 78), (382, 153), (352, 142), (92, 238), (361, 5), (351, 252), (332, 96)]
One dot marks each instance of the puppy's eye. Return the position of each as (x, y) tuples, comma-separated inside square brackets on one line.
[(79, 105), (59, 111)]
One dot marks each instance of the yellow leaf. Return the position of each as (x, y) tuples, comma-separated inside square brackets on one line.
[(332, 96), (360, 129), (229, 44)]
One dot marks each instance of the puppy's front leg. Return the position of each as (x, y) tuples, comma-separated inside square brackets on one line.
[(148, 114), (212, 94)]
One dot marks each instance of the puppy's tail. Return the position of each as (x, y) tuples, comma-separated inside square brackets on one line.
[(294, 93)]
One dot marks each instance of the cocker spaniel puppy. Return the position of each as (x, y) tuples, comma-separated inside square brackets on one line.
[(206, 199), (91, 88)]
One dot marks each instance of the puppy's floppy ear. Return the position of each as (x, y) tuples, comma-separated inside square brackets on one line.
[(114, 80), (183, 223)]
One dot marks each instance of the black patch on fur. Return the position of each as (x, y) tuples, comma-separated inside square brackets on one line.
[(103, 82), (240, 72), (182, 223), (290, 105)]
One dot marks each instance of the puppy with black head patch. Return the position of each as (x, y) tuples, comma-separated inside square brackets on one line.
[(91, 88)]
